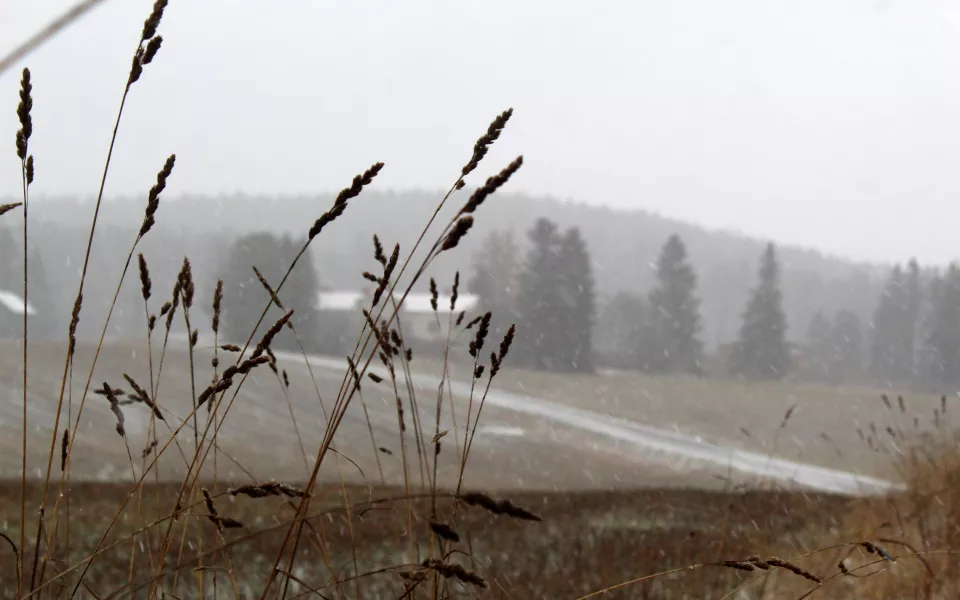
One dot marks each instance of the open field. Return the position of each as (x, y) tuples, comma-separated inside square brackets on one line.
[(823, 429), (258, 439), (516, 448)]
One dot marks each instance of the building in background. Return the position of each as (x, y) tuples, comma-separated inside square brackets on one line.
[(11, 315), (420, 323)]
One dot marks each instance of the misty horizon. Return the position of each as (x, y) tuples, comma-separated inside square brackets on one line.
[(823, 125)]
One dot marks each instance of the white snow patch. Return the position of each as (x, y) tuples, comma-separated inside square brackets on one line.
[(504, 430), (654, 438)]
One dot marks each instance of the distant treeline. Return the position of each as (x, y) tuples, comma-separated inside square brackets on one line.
[(912, 338), (637, 262), (624, 246)]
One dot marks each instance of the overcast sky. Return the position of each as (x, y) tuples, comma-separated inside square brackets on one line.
[(830, 123)]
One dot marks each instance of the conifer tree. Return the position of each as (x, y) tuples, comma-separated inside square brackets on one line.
[(761, 350), (674, 313)]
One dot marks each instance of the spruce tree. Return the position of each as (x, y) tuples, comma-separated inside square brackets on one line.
[(847, 336), (820, 348), (927, 360), (675, 313), (244, 297), (538, 305), (761, 350), (894, 326), (944, 329), (577, 303), (619, 329), (496, 273), (299, 293)]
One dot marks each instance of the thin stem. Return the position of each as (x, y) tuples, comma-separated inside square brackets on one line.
[(26, 306)]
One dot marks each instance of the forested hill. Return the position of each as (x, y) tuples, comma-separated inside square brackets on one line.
[(623, 244)]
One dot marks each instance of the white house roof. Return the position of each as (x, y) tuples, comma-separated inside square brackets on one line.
[(414, 303), (338, 300), (420, 303), (14, 303)]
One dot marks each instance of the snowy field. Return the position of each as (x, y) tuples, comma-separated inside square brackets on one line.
[(537, 431)]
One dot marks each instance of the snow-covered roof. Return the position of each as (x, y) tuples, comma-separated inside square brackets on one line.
[(420, 303), (414, 303), (338, 300), (14, 303)]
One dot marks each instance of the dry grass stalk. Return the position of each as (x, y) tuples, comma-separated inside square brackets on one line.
[(491, 186), (788, 415), (220, 522), (186, 283), (273, 294), (115, 407), (150, 448), (271, 488), (459, 230), (444, 531), (789, 566), (387, 274), (141, 395), (455, 292), (5, 208), (74, 321), (271, 333), (146, 53), (378, 254), (153, 198), (449, 570), (736, 564), (482, 146), (434, 294), (174, 303), (340, 203), (23, 115), (498, 507), (217, 302), (145, 284), (64, 445), (878, 550), (225, 380), (354, 373), (476, 345)]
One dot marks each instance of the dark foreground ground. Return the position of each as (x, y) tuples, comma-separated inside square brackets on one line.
[(584, 543)]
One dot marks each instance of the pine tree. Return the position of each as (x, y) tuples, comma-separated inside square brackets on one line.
[(244, 297), (820, 347), (299, 293), (847, 336), (619, 329), (927, 360), (577, 303), (538, 310), (894, 326), (496, 273), (910, 326), (675, 313), (761, 350), (944, 329)]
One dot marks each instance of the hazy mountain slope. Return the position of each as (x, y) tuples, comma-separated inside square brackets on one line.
[(623, 244)]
